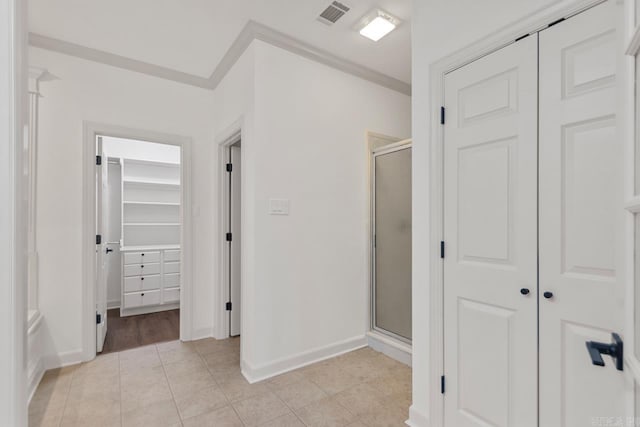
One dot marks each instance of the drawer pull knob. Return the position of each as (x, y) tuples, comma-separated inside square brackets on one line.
[(142, 294), (142, 266), (142, 254), (142, 278)]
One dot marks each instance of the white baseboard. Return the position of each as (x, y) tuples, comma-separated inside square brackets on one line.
[(417, 418), (254, 374), (34, 379), (113, 304), (64, 359), (35, 350), (395, 349), (150, 309), (198, 334)]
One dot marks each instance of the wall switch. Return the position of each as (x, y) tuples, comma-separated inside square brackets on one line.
[(278, 206)]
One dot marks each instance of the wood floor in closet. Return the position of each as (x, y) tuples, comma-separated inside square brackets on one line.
[(128, 332)]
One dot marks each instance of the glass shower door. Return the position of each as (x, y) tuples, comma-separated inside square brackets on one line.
[(392, 242)]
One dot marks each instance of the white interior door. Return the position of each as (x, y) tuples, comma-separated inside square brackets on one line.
[(102, 270), (581, 193), (490, 233), (235, 253)]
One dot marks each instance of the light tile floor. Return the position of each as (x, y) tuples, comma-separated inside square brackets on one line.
[(200, 384)]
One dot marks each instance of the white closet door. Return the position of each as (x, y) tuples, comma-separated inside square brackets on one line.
[(102, 256), (490, 178), (580, 204)]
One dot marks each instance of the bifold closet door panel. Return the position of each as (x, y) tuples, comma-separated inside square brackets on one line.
[(580, 204), (490, 233)]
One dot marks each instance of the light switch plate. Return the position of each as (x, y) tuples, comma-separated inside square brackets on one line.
[(278, 206)]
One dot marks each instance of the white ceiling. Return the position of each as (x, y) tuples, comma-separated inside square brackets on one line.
[(192, 36)]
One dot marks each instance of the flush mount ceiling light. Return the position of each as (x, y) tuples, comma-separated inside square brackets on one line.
[(378, 24)]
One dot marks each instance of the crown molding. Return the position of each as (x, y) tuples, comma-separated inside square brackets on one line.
[(257, 31), (114, 60), (252, 31)]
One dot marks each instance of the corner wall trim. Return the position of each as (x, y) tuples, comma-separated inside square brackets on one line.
[(254, 374), (396, 350), (416, 418), (251, 31), (61, 360)]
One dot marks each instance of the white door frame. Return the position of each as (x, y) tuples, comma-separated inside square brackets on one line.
[(90, 131), (527, 25), (13, 213), (375, 152), (631, 37), (227, 138)]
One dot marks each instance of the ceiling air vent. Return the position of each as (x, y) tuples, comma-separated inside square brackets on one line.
[(333, 12)]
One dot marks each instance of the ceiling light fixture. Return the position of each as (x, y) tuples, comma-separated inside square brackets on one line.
[(378, 24)]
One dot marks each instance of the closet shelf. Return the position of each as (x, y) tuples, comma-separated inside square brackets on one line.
[(151, 183), (126, 224), (133, 202)]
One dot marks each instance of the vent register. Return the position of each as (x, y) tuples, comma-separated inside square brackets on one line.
[(333, 13)]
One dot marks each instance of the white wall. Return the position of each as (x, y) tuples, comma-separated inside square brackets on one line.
[(305, 275), (98, 93), (305, 291), (440, 28)]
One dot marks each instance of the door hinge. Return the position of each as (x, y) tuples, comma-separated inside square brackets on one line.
[(229, 237), (98, 318), (556, 22), (98, 239), (441, 115), (442, 384), (229, 167), (98, 160), (228, 306), (442, 249)]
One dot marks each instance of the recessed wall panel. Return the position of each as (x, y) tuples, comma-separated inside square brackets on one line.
[(485, 200)]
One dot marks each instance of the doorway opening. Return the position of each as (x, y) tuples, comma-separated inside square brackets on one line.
[(139, 221), (232, 220)]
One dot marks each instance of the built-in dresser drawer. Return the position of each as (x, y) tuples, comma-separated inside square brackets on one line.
[(141, 299), (141, 257), (171, 295), (171, 267), (141, 269), (171, 280), (172, 256), (141, 283)]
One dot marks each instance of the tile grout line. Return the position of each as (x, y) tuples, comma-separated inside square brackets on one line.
[(66, 397), (289, 407), (120, 387), (206, 365), (166, 377)]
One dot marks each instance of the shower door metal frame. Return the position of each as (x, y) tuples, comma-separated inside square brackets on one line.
[(386, 149)]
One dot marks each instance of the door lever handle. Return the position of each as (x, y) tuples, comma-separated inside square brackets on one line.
[(614, 349)]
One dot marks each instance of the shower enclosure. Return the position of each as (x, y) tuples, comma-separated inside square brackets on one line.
[(391, 212)]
